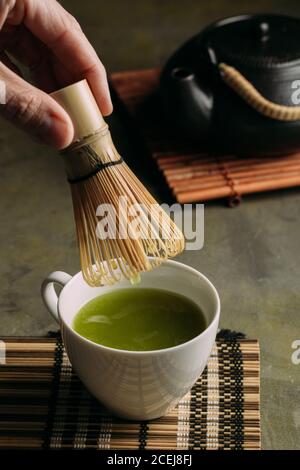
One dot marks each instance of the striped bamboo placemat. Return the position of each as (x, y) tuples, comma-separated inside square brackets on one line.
[(191, 174), (44, 405)]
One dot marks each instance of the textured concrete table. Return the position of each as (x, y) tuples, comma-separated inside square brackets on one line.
[(251, 253)]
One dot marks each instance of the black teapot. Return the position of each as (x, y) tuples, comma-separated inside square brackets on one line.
[(236, 85)]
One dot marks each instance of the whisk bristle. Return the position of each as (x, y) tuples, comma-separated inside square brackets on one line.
[(105, 261)]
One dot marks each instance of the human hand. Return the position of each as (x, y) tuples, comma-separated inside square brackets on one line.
[(44, 37)]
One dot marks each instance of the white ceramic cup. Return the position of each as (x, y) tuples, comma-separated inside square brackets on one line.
[(137, 385)]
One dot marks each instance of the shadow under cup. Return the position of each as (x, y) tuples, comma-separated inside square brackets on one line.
[(137, 385)]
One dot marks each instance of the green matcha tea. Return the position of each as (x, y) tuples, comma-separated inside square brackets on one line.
[(139, 319)]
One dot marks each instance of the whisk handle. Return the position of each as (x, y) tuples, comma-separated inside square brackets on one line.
[(79, 102)]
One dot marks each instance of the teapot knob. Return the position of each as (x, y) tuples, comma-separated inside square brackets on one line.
[(264, 29)]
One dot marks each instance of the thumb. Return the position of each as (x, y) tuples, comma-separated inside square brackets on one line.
[(34, 111)]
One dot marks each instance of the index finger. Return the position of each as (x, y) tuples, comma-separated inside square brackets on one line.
[(62, 34)]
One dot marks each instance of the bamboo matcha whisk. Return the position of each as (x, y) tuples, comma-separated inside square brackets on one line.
[(98, 175)]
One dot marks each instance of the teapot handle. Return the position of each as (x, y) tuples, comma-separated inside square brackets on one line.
[(235, 80)]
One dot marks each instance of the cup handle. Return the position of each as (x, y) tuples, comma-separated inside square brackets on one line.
[(49, 295)]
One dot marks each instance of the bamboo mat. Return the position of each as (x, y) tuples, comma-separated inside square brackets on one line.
[(44, 405), (191, 174)]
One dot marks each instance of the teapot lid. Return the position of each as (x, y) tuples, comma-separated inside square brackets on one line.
[(257, 41)]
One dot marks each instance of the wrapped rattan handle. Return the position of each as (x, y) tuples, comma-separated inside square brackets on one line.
[(235, 80)]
